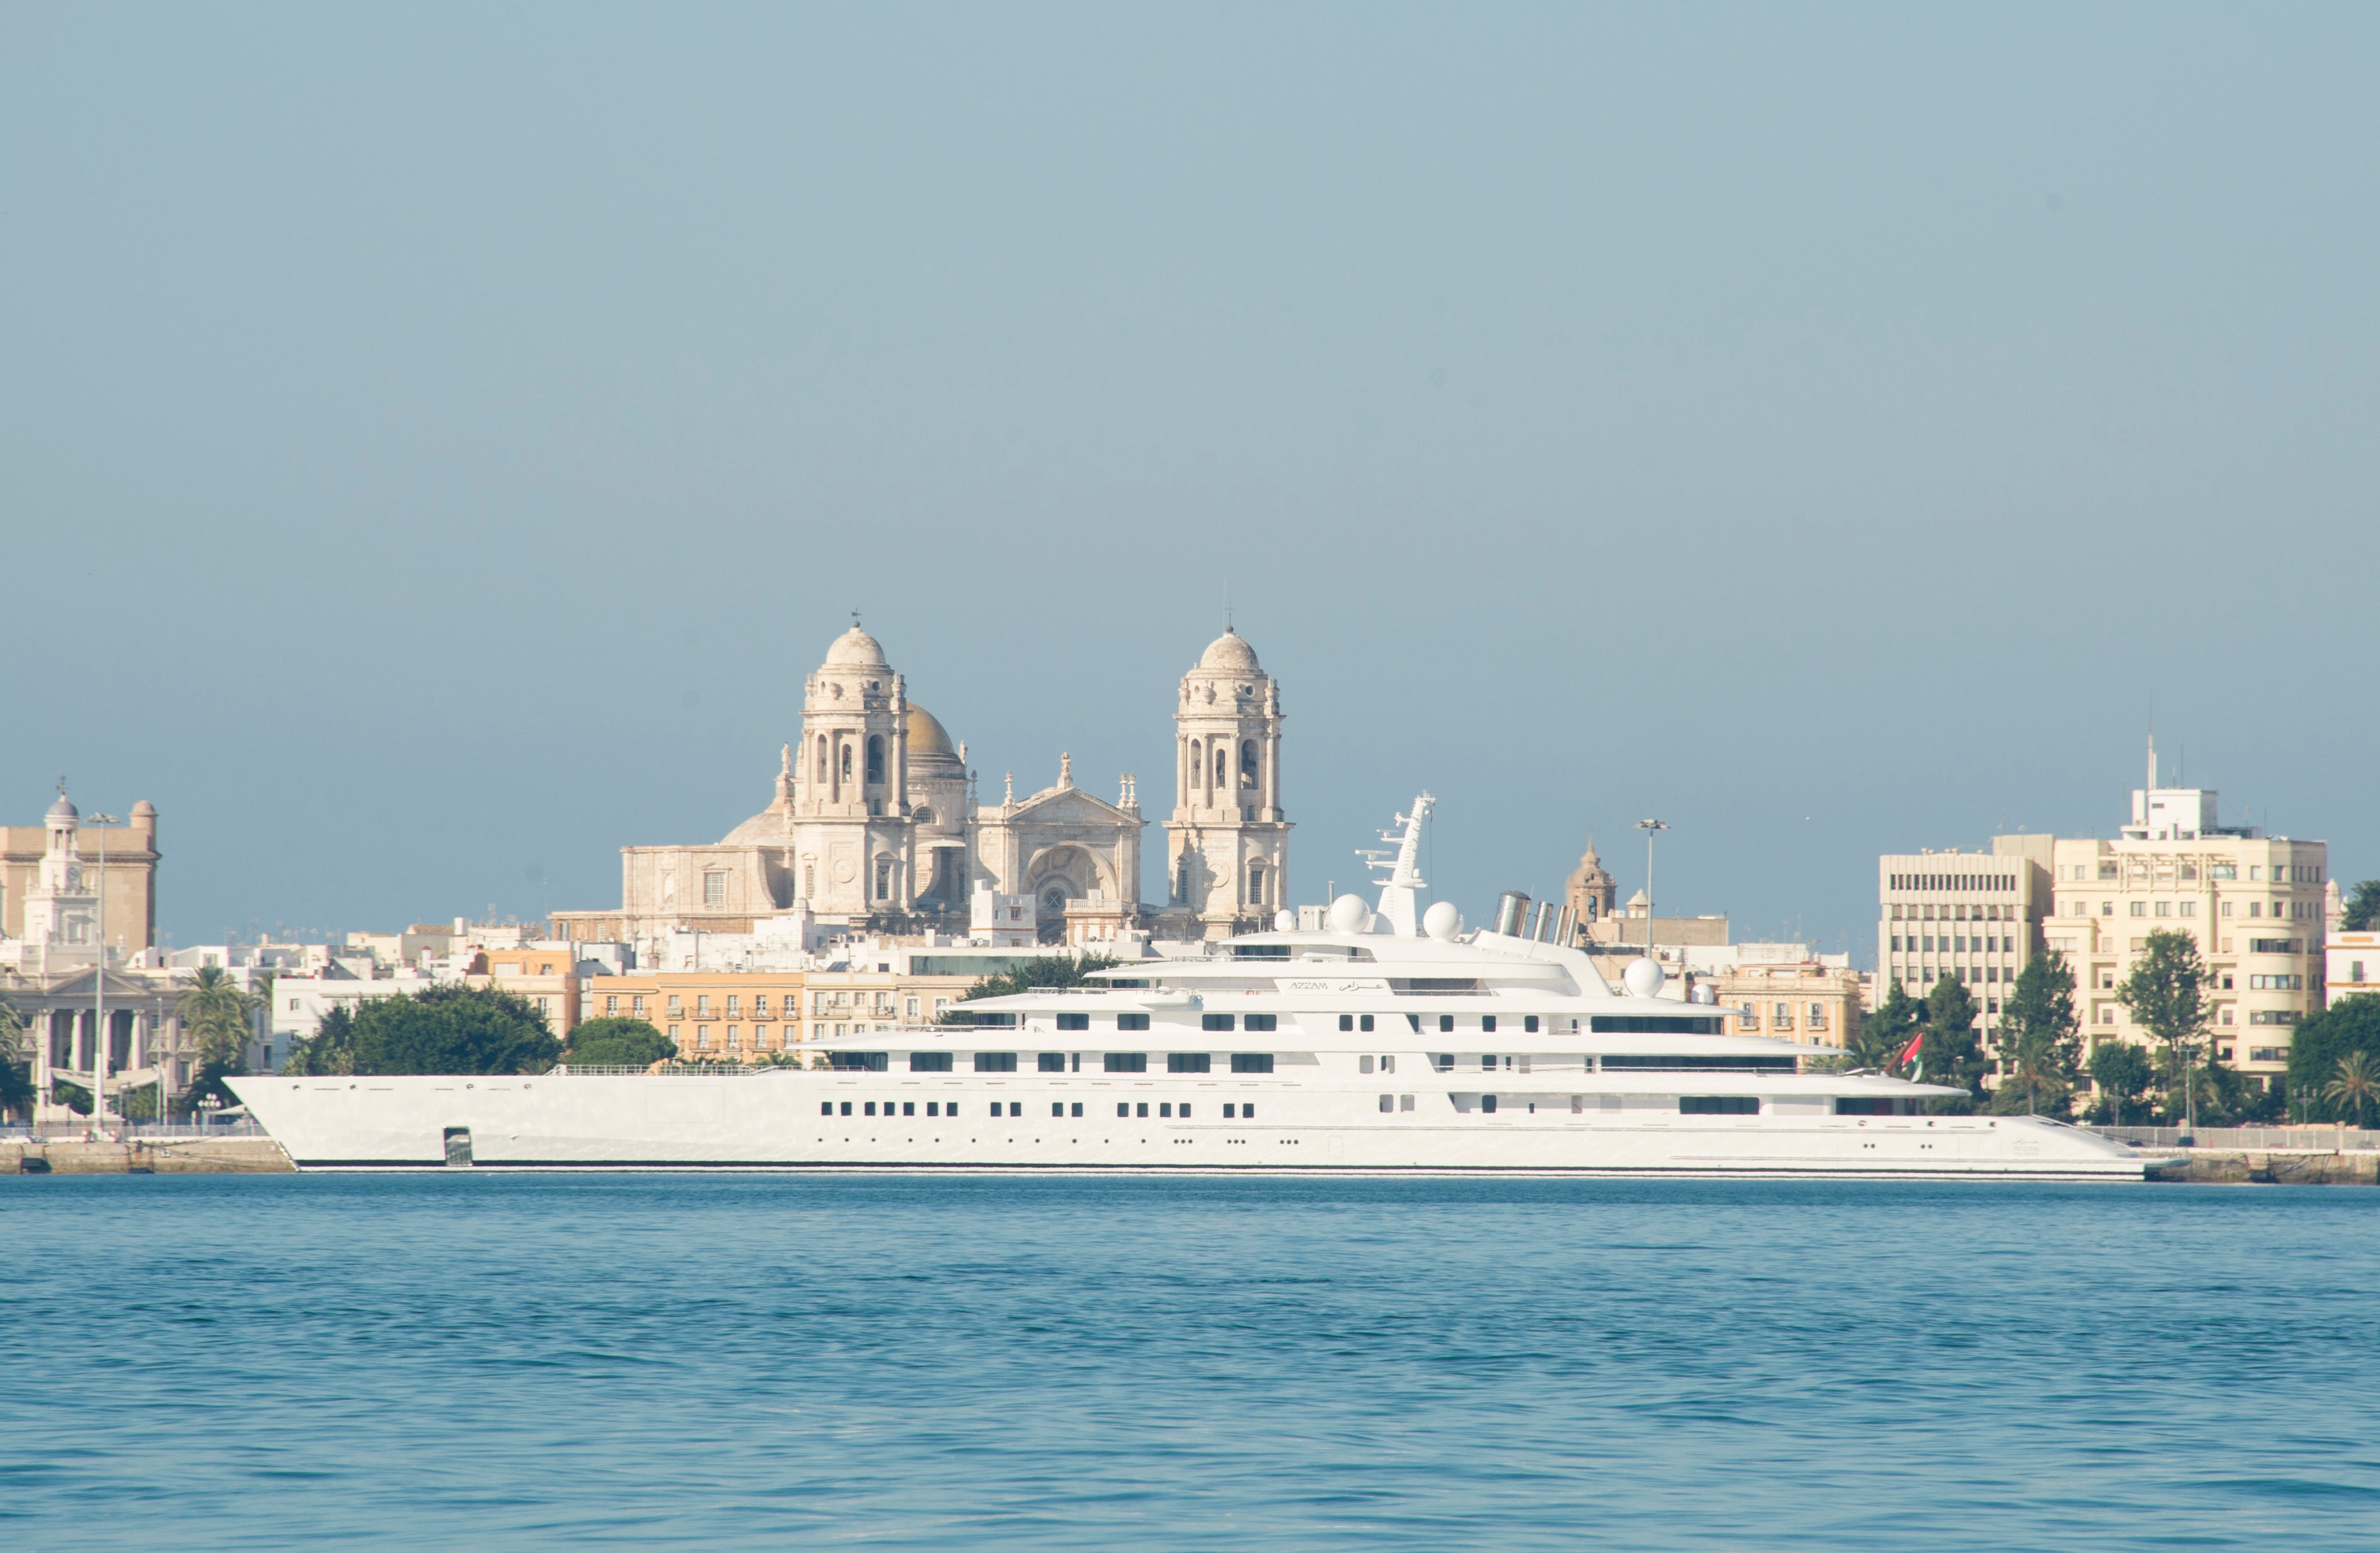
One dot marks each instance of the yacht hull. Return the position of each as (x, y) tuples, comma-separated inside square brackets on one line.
[(773, 1121)]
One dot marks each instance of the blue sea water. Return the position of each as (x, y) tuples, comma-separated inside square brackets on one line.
[(746, 1361)]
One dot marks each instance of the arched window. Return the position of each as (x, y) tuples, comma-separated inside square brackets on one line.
[(1248, 764), (1181, 880), (876, 759), (847, 762), (1222, 768), (822, 760), (809, 881), (1256, 884), (885, 879), (1198, 764)]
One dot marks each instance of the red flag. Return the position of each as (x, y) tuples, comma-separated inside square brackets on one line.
[(1909, 1053)]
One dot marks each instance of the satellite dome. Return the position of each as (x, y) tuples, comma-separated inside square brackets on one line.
[(1284, 921), (1643, 978), (1228, 651), (1441, 921), (1348, 913)]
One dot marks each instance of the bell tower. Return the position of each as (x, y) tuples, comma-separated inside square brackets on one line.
[(1227, 844)]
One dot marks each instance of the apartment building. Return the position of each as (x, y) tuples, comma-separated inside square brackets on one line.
[(1974, 916), (2254, 904), (719, 1016), (1807, 1001), (2351, 965)]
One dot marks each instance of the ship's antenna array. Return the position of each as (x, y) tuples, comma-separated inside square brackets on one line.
[(1401, 890)]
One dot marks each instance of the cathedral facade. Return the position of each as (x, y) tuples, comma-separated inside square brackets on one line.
[(875, 825)]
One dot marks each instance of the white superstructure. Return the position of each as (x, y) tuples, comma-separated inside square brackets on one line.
[(1358, 1047)]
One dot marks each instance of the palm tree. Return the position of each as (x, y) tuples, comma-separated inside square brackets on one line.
[(2358, 1084), (217, 1013)]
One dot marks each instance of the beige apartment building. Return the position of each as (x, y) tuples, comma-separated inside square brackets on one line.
[(2353, 965), (1804, 1001), (751, 1015), (2254, 904)]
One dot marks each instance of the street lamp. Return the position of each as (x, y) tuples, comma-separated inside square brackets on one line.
[(99, 1041), (1649, 827)]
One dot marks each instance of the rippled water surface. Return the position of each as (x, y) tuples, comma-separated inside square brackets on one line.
[(769, 1362)]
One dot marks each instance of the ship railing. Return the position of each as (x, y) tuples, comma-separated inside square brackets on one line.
[(2313, 1139), (663, 1070)]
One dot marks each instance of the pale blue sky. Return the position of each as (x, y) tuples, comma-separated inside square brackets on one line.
[(438, 440)]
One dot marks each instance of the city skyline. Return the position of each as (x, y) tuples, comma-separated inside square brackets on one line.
[(449, 438)]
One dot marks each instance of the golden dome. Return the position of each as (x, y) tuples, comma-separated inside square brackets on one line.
[(926, 736)]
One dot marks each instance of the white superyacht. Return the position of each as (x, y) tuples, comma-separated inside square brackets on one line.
[(1388, 1043)]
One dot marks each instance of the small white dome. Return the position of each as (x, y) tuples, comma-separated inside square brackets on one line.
[(1284, 921), (1228, 651), (1348, 914), (62, 812), (1441, 921), (1643, 978), (854, 649)]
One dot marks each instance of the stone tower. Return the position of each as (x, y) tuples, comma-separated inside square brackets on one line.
[(1593, 894), (1227, 845), (851, 784)]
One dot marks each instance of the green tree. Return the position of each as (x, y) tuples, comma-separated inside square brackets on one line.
[(616, 1041), (331, 1048), (74, 1096), (1884, 1034), (2121, 1071), (2316, 1047), (16, 1067), (452, 1030), (2357, 1085), (2363, 907), (1045, 970), (2167, 992), (1952, 1054), (2040, 1048), (219, 1016)]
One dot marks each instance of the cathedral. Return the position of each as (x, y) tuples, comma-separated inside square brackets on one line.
[(876, 826)]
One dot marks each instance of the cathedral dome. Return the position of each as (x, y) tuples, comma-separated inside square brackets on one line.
[(926, 736), (854, 649), (1228, 651)]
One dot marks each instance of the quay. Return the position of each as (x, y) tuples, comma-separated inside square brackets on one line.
[(143, 1150)]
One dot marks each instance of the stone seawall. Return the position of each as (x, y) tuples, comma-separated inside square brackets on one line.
[(2277, 1169), (162, 1157)]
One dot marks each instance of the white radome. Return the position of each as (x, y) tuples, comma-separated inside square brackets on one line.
[(1348, 914), (1441, 921), (1284, 921), (1643, 978)]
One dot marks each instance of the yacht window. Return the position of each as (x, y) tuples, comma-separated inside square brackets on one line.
[(1187, 1062), (1364, 1023), (1404, 1102), (1488, 1024), (1488, 1102), (1414, 1020), (859, 1061), (995, 1061), (1131, 1022), (1247, 1112), (1487, 1064), (1214, 1022), (1050, 1063), (1718, 1105), (1445, 1064), (1656, 1023), (1057, 1107), (826, 1107), (1259, 1022), (1252, 1062), (1388, 1064), (1446, 1024), (1123, 1108), (869, 1109), (1530, 1024), (1387, 1103), (1863, 1105), (934, 1108), (1144, 1107), (1126, 1062), (929, 1062), (909, 1108), (1164, 1109), (1074, 1022), (1229, 1111), (1078, 1107), (1363, 1065)]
